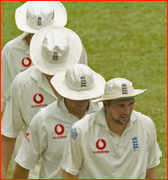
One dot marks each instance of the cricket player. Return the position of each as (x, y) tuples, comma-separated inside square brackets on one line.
[(52, 50), (116, 142), (49, 128), (15, 56)]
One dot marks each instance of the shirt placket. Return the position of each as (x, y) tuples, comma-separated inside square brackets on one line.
[(47, 87), (120, 147)]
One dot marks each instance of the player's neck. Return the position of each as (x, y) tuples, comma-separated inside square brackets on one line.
[(48, 77), (28, 38), (115, 127)]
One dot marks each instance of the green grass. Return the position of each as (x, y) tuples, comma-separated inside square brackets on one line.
[(122, 39)]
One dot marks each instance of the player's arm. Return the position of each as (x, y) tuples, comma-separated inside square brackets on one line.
[(151, 173), (72, 156), (20, 172), (66, 175), (7, 146), (6, 77), (11, 125), (30, 150), (154, 153)]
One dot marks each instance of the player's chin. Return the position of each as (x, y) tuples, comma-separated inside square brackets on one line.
[(80, 109), (124, 120)]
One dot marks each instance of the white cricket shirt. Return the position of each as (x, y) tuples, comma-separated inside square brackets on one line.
[(46, 137), (15, 58), (94, 152), (30, 91)]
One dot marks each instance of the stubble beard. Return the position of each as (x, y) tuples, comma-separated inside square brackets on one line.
[(117, 120)]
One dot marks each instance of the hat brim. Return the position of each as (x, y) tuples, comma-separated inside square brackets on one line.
[(83, 58), (75, 50), (118, 97), (60, 86), (60, 16)]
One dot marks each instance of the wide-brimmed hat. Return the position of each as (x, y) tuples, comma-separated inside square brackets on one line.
[(53, 49), (119, 88), (34, 15), (78, 82), (83, 58)]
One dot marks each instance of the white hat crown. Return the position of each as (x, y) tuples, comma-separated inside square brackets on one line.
[(79, 77), (39, 14), (55, 46), (53, 49), (79, 82), (118, 86), (35, 15)]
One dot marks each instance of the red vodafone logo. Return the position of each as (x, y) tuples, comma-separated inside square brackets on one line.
[(101, 144), (26, 62), (38, 98), (59, 129)]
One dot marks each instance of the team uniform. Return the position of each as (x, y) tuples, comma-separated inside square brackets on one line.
[(94, 152), (15, 58), (30, 91), (46, 137)]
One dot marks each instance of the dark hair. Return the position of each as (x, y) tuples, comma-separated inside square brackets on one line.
[(108, 102)]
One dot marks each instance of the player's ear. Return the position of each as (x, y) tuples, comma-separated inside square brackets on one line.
[(106, 105)]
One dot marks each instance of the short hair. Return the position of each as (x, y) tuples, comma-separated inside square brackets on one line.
[(108, 101)]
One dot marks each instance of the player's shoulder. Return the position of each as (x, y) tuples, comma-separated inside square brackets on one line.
[(13, 43), (85, 123), (22, 77), (45, 114), (144, 120)]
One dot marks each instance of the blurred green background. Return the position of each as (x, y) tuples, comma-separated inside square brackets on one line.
[(123, 39)]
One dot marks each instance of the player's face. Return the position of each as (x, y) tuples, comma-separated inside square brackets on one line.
[(120, 110), (77, 108)]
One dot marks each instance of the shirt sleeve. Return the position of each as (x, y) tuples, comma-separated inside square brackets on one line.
[(154, 150), (6, 77), (12, 121), (72, 156), (32, 146)]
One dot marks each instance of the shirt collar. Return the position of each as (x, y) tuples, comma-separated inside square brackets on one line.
[(100, 117), (22, 44), (42, 81), (93, 107), (37, 75), (61, 104), (133, 117)]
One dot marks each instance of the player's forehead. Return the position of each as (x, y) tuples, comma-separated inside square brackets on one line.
[(123, 101)]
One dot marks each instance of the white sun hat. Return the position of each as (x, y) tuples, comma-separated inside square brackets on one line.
[(119, 88), (83, 58), (53, 49), (34, 15), (78, 82)]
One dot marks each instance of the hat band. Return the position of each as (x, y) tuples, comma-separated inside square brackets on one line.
[(79, 88), (118, 96)]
